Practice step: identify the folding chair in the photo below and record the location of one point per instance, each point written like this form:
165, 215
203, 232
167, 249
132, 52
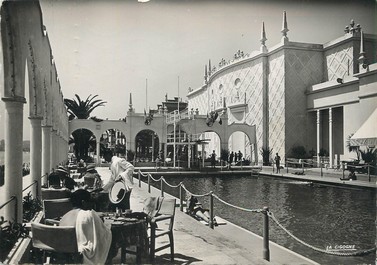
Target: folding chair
54, 209
50, 194
165, 212
57, 243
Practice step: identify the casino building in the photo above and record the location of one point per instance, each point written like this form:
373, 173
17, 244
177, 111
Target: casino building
296, 94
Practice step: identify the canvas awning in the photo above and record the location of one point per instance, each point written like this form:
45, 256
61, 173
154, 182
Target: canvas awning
366, 135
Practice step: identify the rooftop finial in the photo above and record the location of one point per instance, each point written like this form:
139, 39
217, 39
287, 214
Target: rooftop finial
352, 28
130, 104
205, 74
263, 39
362, 58
285, 29
209, 67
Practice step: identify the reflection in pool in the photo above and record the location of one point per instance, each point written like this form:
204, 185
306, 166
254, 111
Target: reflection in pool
323, 216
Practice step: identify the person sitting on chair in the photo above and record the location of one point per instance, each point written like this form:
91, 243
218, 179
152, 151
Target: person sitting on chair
91, 172
93, 237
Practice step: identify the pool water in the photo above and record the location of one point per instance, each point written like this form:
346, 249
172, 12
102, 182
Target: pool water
320, 215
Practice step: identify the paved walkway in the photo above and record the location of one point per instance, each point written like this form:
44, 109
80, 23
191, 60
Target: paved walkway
196, 243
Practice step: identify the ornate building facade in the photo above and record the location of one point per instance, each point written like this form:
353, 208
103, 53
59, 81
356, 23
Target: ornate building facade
296, 94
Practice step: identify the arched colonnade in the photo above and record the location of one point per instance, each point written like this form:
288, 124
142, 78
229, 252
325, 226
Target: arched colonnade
27, 59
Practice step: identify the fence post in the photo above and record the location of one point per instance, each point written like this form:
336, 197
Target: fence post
139, 176
16, 209
342, 170
211, 214
368, 172
180, 197
266, 247
321, 170
36, 189
162, 186
286, 164
149, 183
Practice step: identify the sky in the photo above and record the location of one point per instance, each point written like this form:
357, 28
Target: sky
114, 48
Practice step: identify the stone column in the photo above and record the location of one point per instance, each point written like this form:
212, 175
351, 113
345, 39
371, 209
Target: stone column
46, 143
52, 149
36, 154
331, 151
153, 147
13, 121
98, 152
318, 135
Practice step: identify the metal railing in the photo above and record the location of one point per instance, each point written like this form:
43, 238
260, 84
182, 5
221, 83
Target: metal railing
14, 197
306, 165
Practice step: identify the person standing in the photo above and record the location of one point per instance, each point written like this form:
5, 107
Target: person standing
240, 156
277, 163
213, 159
231, 157
121, 170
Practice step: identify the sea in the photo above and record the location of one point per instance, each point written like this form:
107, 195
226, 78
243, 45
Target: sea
25, 157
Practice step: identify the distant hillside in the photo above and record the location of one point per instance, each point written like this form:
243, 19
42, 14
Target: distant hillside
25, 145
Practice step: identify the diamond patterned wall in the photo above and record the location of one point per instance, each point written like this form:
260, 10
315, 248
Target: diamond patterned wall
303, 69
276, 103
339, 61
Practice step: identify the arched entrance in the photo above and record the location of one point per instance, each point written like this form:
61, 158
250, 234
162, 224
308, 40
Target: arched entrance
82, 142
147, 146
112, 142
239, 143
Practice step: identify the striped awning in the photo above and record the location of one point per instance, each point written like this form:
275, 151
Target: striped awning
366, 135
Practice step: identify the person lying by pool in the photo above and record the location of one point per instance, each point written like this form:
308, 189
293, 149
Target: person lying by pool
351, 175
195, 209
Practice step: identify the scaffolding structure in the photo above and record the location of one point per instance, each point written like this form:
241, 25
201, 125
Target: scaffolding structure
182, 138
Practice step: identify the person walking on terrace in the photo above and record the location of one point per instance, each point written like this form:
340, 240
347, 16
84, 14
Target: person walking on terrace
277, 163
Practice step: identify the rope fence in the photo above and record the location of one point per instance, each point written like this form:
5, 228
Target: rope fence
265, 211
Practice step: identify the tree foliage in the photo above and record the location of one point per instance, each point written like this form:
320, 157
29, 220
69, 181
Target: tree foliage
80, 109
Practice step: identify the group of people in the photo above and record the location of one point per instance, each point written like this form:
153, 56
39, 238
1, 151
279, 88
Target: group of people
235, 156
88, 224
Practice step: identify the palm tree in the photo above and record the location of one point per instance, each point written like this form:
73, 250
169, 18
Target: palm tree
352, 148
81, 109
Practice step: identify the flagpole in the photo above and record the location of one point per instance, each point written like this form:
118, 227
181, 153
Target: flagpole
146, 94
